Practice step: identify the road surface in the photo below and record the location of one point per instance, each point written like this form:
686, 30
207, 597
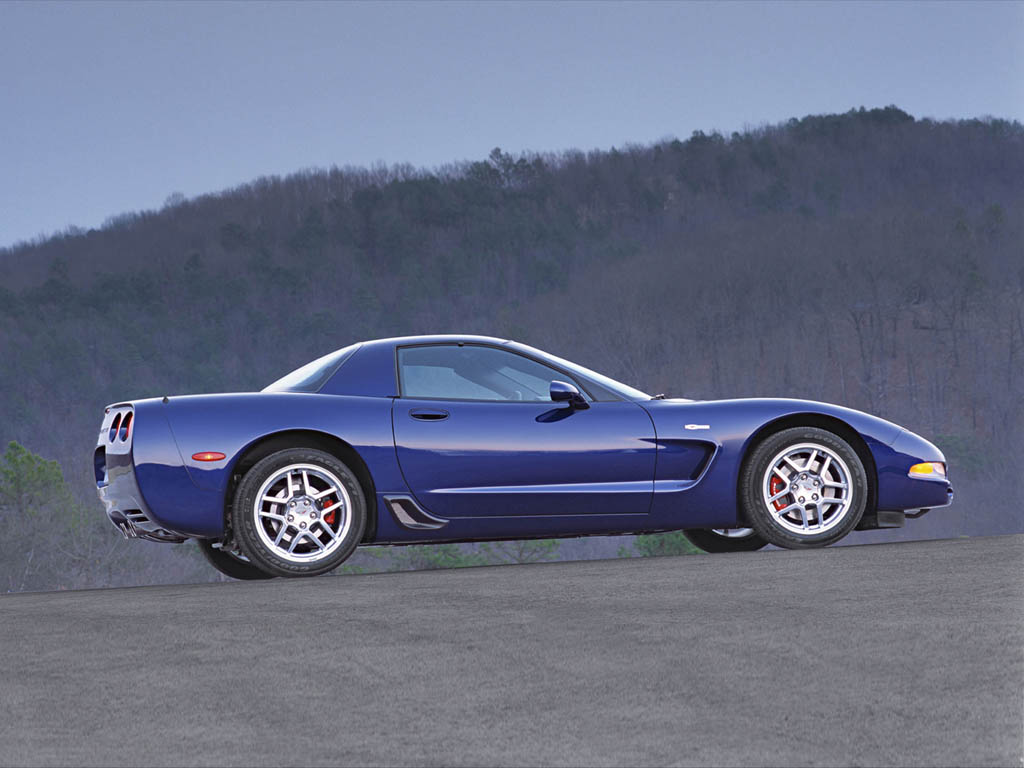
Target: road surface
894, 654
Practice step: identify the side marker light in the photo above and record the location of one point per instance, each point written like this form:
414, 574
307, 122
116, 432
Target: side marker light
208, 456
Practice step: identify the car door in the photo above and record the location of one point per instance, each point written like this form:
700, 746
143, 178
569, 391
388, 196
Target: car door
477, 435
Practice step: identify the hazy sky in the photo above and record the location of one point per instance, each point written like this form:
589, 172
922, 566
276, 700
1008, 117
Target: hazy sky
111, 107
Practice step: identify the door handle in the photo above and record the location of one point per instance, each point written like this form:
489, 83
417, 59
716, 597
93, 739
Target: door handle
428, 414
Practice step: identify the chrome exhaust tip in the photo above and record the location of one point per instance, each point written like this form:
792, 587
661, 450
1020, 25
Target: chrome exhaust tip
124, 525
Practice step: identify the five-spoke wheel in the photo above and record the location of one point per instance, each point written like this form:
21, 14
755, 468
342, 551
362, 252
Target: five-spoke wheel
806, 488
803, 487
302, 512
298, 512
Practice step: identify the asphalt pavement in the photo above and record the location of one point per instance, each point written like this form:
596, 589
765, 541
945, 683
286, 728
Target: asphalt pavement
891, 654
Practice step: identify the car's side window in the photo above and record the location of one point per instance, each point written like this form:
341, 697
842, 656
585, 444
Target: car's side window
473, 372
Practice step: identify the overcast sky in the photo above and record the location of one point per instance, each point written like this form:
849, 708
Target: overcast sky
106, 108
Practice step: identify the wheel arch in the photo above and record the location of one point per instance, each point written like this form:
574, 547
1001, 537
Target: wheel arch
307, 438
821, 421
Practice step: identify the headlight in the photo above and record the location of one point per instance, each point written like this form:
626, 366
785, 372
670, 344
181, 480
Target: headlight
928, 469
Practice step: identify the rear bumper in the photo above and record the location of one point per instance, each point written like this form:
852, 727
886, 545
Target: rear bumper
117, 486
127, 512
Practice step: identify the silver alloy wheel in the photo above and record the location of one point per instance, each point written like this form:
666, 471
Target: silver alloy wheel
302, 513
733, 533
807, 489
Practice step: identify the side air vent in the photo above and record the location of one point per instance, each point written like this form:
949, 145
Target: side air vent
114, 426
408, 514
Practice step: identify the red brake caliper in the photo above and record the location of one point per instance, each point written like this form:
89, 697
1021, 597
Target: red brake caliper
324, 503
775, 486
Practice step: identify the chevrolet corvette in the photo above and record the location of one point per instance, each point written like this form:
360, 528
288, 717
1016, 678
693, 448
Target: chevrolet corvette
467, 438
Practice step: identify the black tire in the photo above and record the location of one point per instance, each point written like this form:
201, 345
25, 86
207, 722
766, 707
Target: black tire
229, 564
713, 542
244, 521
755, 471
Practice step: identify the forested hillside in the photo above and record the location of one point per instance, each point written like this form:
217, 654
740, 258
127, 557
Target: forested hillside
868, 258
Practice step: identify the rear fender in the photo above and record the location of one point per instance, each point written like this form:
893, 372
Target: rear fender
175, 502
233, 424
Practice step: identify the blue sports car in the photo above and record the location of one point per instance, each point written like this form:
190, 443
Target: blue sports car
469, 438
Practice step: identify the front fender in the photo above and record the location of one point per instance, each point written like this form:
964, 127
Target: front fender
733, 425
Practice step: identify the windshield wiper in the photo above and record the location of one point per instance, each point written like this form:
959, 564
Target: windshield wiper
659, 397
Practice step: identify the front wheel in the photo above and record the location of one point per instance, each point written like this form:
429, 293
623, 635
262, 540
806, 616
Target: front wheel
725, 539
803, 487
298, 512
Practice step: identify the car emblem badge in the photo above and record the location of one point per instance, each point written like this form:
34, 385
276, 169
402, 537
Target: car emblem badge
698, 426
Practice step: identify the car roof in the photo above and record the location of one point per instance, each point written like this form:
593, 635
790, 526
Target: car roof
440, 338
371, 370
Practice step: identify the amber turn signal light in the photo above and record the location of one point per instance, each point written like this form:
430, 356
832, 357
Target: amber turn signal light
929, 469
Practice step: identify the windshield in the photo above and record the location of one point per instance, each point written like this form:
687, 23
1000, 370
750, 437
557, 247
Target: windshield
312, 376
616, 387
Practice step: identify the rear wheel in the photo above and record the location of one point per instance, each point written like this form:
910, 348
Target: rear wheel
803, 487
233, 564
298, 512
725, 539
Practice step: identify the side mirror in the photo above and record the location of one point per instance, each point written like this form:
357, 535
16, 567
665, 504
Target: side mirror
564, 392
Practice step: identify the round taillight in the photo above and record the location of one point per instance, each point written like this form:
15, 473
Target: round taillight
114, 426
126, 426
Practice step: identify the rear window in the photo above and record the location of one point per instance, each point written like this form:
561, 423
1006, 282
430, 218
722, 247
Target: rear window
312, 376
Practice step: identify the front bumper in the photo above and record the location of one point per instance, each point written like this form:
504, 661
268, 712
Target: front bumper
897, 489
